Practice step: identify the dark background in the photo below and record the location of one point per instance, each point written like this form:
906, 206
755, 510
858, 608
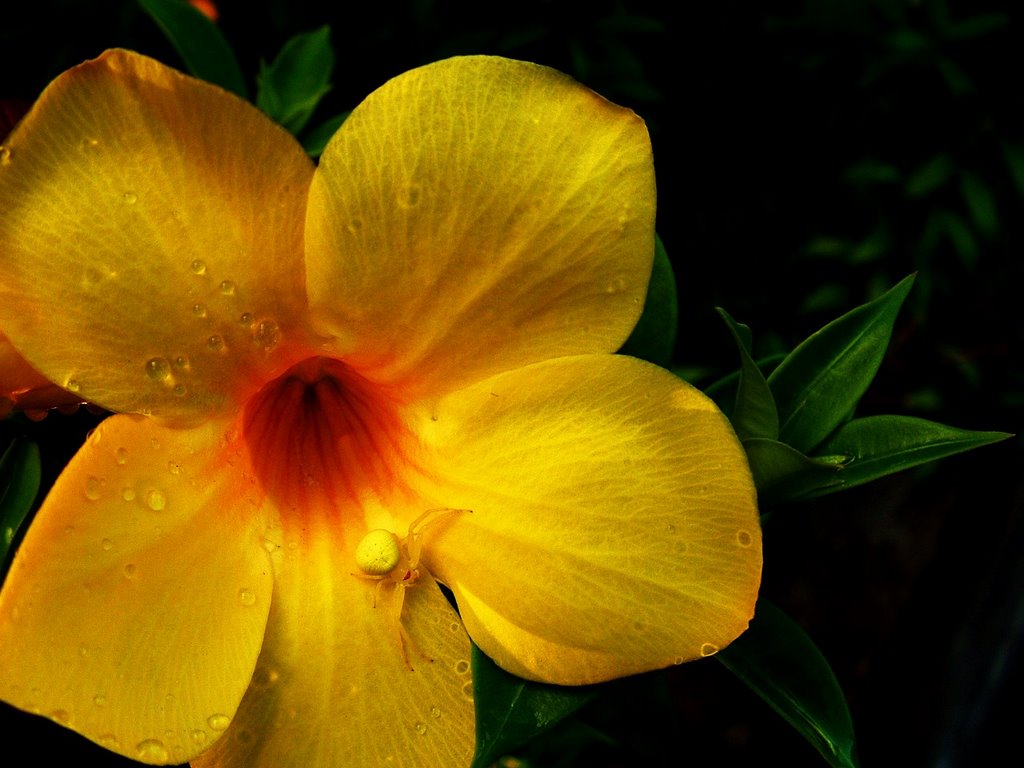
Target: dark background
809, 155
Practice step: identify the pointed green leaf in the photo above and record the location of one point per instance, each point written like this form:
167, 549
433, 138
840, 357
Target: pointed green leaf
291, 86
316, 138
754, 413
930, 176
783, 666
19, 483
880, 445
782, 473
818, 385
199, 42
654, 337
511, 711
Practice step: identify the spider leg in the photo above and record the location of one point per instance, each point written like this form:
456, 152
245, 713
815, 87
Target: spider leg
414, 538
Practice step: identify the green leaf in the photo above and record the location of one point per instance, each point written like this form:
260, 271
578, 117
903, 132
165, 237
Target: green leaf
654, 337
782, 665
754, 413
199, 42
511, 711
930, 176
315, 140
291, 86
20, 474
880, 445
818, 385
782, 473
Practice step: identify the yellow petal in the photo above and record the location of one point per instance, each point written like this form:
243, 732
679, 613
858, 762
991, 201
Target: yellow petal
476, 215
150, 238
331, 687
614, 526
22, 386
135, 608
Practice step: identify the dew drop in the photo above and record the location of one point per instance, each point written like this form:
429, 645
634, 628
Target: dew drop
355, 225
61, 716
246, 597
743, 538
421, 728
454, 626
152, 751
215, 342
128, 494
130, 198
265, 677
199, 736
180, 390
92, 487
121, 456
107, 545
174, 467
89, 144
435, 712
218, 722
467, 690
461, 666
410, 196
6, 153
267, 334
199, 310
158, 369
155, 500
129, 571
99, 700
72, 385
227, 288
198, 267
83, 651
708, 649
246, 318
181, 363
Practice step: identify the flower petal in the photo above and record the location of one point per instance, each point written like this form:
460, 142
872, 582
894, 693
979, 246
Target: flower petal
614, 526
22, 386
331, 687
476, 215
150, 238
135, 608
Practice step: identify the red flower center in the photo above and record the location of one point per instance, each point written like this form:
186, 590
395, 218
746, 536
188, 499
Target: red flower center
323, 437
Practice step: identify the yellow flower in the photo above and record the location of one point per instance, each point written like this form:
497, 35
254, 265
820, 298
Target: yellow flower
297, 357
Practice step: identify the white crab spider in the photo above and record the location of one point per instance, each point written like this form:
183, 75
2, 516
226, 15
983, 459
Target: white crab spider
383, 557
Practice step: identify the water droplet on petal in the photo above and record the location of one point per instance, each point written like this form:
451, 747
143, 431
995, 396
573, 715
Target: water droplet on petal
199, 310
129, 571
708, 649
61, 716
89, 144
421, 728
152, 751
174, 467
128, 494
246, 597
743, 538
267, 334
130, 198
461, 666
467, 690
218, 722
198, 267
180, 390
246, 318
107, 545
678, 660
158, 369
181, 363
215, 342
155, 500
435, 712
410, 196
6, 153
121, 456
227, 288
99, 700
199, 736
72, 385
92, 487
